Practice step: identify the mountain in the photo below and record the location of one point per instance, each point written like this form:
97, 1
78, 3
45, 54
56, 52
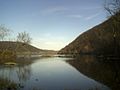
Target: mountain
17, 46
21, 48
101, 39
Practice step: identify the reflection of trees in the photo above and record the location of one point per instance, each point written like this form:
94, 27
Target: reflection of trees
23, 73
107, 72
6, 84
16, 75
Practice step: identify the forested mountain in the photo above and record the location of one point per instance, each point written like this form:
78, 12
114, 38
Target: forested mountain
101, 39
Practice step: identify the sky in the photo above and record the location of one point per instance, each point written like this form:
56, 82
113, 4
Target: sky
52, 24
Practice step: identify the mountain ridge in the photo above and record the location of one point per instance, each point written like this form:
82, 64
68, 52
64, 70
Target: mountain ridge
97, 40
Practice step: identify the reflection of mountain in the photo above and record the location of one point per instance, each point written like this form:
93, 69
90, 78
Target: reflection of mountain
105, 72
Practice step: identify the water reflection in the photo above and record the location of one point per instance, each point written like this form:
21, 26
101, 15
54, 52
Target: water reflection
49, 74
100, 69
16, 76
23, 73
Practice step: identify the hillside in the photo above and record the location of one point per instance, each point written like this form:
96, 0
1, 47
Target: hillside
21, 48
18, 47
98, 40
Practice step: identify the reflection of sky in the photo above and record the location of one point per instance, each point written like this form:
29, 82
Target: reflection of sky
53, 74
51, 23
15, 74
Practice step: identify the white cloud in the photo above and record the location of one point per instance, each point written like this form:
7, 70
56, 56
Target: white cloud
53, 10
91, 8
75, 16
92, 16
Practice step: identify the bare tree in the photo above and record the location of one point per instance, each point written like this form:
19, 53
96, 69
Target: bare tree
113, 9
24, 37
5, 53
4, 32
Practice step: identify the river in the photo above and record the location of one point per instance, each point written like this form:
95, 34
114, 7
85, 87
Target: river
52, 73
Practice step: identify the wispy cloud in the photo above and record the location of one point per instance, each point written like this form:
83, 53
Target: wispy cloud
53, 10
92, 16
78, 16
91, 8
75, 16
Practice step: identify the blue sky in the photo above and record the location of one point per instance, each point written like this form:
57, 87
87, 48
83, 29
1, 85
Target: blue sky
52, 24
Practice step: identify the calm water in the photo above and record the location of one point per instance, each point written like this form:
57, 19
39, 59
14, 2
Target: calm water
50, 74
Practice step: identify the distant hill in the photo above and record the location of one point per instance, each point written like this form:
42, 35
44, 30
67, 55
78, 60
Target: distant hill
22, 48
97, 40
17, 46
